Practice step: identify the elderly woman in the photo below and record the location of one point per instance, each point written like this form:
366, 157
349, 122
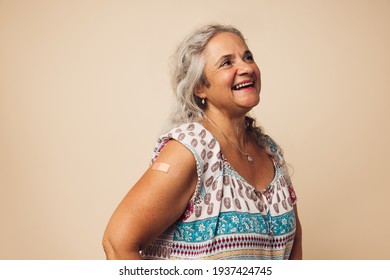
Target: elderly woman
217, 187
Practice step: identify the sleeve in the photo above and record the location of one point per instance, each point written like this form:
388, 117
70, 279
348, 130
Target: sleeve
293, 195
200, 143
277, 152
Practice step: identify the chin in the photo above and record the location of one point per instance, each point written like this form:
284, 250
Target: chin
249, 102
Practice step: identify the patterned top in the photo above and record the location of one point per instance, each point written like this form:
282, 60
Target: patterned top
226, 217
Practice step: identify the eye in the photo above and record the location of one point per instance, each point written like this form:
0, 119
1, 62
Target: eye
249, 57
226, 62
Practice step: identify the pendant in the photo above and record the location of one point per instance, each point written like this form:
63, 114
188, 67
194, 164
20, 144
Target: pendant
250, 159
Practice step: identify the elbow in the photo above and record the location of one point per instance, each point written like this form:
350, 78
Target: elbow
119, 250
108, 248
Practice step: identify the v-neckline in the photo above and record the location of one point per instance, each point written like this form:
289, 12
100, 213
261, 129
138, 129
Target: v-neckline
224, 159
253, 188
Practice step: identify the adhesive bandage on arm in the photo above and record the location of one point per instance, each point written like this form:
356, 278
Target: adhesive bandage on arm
165, 167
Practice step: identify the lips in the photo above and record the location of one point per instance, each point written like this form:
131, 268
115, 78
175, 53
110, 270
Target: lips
243, 85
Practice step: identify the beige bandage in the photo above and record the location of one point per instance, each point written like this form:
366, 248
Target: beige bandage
165, 167
161, 166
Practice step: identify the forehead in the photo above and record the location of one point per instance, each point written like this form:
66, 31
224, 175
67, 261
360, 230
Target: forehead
224, 43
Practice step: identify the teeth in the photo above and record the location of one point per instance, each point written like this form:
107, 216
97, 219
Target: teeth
236, 87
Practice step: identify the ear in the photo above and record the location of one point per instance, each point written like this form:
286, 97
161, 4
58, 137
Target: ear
200, 92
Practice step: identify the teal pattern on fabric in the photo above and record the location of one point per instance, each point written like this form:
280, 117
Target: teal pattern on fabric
234, 223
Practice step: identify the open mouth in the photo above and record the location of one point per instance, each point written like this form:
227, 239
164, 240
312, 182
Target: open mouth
243, 85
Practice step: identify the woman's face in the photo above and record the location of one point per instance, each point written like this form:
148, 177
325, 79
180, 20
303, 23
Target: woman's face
232, 74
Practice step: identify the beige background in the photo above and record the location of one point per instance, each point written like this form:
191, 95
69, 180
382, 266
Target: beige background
84, 92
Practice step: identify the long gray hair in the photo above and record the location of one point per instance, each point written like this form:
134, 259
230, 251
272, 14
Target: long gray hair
187, 76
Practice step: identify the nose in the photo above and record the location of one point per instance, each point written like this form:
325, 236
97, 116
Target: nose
245, 67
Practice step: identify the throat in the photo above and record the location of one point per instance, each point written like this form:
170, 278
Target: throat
243, 148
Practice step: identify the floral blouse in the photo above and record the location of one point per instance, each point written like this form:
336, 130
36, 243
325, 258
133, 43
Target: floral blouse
226, 217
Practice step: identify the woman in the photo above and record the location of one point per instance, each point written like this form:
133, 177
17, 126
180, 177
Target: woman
217, 188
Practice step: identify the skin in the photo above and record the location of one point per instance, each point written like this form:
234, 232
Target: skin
138, 219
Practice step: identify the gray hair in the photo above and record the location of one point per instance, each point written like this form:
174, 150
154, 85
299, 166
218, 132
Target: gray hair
187, 76
187, 73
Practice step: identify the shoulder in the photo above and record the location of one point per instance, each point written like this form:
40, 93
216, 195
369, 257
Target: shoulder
203, 146
188, 131
273, 148
277, 152
191, 135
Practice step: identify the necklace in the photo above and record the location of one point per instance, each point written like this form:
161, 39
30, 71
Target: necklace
263, 191
248, 156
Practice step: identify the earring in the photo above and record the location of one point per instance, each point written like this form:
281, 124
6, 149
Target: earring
203, 101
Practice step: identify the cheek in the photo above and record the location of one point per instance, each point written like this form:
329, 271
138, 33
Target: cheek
258, 75
227, 78
223, 80
257, 71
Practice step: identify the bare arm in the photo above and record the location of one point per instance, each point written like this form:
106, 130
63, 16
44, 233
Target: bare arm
155, 202
296, 252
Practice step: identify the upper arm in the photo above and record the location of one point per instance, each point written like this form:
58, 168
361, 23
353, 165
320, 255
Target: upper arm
155, 202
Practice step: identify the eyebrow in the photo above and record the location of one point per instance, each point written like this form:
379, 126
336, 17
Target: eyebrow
229, 56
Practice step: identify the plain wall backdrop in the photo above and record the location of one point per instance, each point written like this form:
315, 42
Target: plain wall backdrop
85, 91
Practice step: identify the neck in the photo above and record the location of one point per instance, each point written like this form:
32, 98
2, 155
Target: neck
232, 128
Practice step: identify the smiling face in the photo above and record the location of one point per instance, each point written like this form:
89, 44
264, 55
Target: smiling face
233, 78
